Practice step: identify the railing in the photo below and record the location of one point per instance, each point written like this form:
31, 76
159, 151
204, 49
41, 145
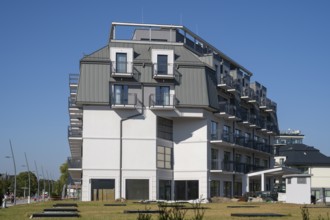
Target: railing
74, 162
74, 131
72, 102
225, 79
73, 79
124, 99
163, 70
121, 68
165, 100
234, 166
241, 140
229, 109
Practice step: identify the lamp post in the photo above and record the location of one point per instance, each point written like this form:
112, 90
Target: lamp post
35, 164
27, 165
48, 184
12, 156
43, 176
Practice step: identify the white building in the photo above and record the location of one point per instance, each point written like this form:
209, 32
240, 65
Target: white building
165, 115
298, 188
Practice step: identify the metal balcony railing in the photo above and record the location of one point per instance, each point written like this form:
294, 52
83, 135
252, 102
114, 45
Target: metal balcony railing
122, 69
229, 109
129, 99
241, 140
74, 163
234, 166
225, 79
74, 131
164, 100
163, 70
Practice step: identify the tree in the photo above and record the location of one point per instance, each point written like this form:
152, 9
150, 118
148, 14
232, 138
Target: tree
63, 178
23, 183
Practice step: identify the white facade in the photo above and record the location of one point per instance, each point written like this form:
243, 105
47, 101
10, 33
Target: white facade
298, 188
143, 132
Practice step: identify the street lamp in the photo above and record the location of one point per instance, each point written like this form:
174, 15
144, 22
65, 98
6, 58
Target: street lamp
27, 165
35, 164
43, 176
12, 156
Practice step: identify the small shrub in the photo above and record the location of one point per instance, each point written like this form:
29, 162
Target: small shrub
304, 213
144, 216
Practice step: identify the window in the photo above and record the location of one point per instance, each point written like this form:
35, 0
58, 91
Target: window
164, 128
214, 159
164, 157
215, 188
289, 180
265, 164
301, 180
120, 96
162, 64
226, 133
226, 161
163, 95
238, 165
237, 189
137, 189
186, 190
227, 188
214, 130
256, 161
165, 188
121, 63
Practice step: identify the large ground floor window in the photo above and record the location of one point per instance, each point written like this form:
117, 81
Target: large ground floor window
237, 189
186, 189
165, 189
227, 189
137, 189
102, 189
215, 188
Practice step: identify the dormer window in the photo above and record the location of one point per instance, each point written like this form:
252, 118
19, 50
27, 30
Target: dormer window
121, 62
163, 63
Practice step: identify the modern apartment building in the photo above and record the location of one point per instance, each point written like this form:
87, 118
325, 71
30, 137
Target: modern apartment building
162, 114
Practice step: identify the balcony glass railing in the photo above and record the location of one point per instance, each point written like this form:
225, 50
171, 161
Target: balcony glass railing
229, 109
241, 140
74, 131
164, 100
74, 163
225, 79
163, 70
122, 69
235, 166
129, 99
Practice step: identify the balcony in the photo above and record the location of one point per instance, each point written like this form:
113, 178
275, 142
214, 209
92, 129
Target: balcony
225, 81
163, 71
236, 87
124, 101
239, 141
122, 69
74, 163
228, 111
162, 102
267, 105
238, 167
248, 95
74, 132
75, 168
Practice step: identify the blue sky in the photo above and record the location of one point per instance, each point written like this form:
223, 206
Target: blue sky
284, 43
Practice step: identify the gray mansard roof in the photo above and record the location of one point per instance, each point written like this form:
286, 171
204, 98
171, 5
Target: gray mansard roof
195, 82
303, 155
